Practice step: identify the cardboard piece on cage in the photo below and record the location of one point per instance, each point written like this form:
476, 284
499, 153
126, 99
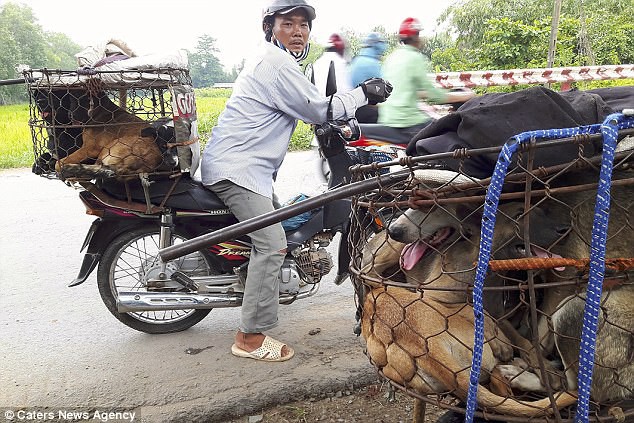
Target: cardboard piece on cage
492, 119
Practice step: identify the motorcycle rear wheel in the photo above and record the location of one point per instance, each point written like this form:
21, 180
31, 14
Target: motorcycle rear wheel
123, 267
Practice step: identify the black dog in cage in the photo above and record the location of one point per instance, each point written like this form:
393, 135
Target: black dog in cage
63, 138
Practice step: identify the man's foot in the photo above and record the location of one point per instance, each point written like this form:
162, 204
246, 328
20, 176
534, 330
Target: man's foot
260, 347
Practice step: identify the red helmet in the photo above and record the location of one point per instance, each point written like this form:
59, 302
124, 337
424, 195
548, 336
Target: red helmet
410, 27
336, 43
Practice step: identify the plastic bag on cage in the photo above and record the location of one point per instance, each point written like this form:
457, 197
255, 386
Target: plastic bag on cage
295, 222
186, 128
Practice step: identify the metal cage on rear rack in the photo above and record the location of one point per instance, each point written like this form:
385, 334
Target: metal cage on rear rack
94, 124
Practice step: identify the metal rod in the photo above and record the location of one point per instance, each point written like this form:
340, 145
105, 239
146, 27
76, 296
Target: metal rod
275, 216
16, 81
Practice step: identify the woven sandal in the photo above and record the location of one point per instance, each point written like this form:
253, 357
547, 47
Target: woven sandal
270, 350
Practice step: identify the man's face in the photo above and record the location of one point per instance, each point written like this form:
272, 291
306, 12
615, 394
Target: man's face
292, 30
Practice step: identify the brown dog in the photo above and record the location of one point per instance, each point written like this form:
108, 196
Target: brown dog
421, 340
118, 142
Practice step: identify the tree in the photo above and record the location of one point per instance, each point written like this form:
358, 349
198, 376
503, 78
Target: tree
205, 68
22, 41
235, 71
496, 34
61, 51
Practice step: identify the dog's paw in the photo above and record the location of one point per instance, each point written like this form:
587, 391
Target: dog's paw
521, 379
501, 350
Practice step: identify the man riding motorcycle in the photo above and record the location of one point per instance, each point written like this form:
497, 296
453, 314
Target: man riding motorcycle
248, 145
407, 68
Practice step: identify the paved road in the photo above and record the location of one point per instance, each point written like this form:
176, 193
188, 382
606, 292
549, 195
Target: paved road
62, 350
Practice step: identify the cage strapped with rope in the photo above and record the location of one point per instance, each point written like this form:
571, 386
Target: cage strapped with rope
501, 269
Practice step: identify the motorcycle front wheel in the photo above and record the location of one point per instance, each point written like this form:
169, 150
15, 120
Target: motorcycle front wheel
126, 265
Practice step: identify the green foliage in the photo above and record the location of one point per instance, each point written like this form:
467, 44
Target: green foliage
508, 44
208, 108
61, 52
213, 92
612, 39
453, 59
204, 66
300, 140
23, 42
495, 34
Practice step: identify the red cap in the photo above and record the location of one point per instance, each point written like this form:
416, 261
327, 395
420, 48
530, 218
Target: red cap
409, 28
337, 43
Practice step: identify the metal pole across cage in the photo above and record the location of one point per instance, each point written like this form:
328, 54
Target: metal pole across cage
276, 216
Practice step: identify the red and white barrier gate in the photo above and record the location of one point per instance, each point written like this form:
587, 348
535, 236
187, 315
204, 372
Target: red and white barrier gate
565, 76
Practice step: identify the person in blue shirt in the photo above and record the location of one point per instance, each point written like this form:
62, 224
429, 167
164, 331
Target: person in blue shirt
367, 64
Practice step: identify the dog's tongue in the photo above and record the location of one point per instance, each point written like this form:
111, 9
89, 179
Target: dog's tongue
540, 252
412, 253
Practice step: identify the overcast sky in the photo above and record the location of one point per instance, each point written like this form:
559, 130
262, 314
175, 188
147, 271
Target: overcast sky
150, 26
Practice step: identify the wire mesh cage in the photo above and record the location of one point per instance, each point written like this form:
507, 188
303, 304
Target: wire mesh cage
111, 124
375, 154
415, 281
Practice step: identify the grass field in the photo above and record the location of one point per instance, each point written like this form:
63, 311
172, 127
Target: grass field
16, 147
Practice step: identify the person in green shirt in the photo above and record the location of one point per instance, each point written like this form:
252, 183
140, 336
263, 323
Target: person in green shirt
407, 70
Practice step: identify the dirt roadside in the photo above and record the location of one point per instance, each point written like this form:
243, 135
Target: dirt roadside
371, 404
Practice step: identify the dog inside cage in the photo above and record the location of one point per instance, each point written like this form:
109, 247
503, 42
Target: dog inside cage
84, 128
415, 280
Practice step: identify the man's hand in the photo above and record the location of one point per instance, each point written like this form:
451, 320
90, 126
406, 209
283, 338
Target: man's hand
376, 90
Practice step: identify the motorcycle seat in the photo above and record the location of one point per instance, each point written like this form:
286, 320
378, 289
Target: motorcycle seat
384, 133
188, 194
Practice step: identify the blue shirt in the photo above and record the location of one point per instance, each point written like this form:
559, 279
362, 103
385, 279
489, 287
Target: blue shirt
249, 143
365, 65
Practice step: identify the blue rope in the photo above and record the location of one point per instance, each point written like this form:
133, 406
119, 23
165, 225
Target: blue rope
609, 130
486, 237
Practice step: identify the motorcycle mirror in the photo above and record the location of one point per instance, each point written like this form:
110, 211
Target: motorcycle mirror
331, 82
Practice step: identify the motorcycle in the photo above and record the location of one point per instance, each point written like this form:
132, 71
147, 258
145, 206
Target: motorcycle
155, 295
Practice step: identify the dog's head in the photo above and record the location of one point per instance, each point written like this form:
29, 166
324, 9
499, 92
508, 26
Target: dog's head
440, 227
510, 235
53, 105
162, 131
425, 231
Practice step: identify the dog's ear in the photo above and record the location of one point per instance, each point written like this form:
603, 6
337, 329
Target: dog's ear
149, 132
471, 217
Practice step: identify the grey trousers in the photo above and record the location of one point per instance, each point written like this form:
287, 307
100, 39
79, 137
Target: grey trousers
261, 294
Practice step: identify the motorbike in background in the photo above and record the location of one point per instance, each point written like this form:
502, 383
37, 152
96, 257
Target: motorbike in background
379, 143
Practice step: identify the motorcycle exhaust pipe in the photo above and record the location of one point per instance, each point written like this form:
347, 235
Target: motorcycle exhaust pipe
136, 302
133, 302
